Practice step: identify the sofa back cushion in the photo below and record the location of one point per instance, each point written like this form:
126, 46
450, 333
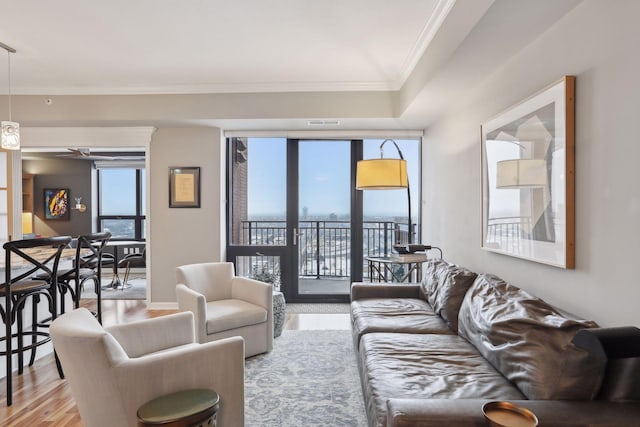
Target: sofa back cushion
444, 286
529, 341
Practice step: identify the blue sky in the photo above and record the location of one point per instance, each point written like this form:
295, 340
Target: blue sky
119, 192
324, 178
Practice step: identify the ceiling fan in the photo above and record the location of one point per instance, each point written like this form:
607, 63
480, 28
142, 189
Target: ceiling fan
85, 154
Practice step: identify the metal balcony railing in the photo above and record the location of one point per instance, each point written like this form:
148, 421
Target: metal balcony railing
324, 247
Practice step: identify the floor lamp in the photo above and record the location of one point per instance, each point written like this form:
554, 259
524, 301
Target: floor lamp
385, 174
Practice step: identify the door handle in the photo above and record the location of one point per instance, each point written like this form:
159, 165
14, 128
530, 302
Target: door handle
295, 236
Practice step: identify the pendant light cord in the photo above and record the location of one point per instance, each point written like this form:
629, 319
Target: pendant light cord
9, 80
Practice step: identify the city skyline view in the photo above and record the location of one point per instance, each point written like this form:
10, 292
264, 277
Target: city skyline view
324, 179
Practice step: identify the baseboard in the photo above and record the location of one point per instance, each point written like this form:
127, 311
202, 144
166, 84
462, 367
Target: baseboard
162, 306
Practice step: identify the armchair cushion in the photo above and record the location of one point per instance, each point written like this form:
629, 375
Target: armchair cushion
232, 314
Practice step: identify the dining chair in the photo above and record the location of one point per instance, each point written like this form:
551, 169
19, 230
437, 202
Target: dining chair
130, 261
24, 261
87, 265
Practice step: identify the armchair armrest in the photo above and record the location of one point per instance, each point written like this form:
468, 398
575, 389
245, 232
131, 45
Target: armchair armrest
217, 365
190, 300
550, 413
373, 290
253, 291
151, 335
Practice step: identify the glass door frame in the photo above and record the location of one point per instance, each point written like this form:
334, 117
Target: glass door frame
288, 253
291, 275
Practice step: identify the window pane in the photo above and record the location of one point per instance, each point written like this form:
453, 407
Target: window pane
259, 191
117, 191
119, 228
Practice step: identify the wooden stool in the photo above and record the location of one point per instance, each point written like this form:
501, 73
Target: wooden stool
186, 408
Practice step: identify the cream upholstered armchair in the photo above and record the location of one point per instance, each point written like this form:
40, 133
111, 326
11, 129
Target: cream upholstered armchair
113, 371
225, 305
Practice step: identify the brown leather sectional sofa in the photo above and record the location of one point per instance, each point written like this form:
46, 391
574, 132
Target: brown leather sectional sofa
431, 354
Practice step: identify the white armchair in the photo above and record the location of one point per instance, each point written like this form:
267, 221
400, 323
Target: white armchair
225, 305
113, 371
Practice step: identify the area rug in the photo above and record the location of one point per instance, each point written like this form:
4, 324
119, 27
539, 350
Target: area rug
137, 291
309, 379
317, 308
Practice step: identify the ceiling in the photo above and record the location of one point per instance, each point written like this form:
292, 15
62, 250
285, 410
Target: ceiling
205, 46
382, 64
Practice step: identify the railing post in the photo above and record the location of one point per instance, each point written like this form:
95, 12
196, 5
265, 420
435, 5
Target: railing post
386, 235
317, 249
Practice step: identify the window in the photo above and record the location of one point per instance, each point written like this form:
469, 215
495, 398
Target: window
121, 202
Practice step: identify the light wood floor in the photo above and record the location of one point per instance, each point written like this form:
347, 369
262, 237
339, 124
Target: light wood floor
41, 398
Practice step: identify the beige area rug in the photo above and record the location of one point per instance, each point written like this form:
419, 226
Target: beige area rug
310, 379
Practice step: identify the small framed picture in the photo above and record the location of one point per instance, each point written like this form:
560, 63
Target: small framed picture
184, 187
56, 203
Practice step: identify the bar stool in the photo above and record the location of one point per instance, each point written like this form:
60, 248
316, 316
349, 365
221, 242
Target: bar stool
25, 257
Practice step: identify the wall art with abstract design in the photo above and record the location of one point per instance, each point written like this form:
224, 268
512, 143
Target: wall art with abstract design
56, 203
528, 178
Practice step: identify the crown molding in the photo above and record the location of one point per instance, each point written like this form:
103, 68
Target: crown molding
441, 10
42, 137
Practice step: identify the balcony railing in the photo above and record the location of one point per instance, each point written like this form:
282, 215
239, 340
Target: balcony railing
324, 247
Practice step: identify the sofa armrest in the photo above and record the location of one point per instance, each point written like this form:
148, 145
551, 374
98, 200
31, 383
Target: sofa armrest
550, 413
384, 290
217, 365
150, 335
193, 301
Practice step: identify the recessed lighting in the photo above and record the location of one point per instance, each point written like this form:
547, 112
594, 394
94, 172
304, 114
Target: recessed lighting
323, 122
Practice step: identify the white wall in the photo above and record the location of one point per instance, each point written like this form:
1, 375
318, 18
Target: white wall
597, 42
183, 235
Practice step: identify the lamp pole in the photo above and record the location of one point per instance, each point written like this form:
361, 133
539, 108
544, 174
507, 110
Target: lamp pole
409, 230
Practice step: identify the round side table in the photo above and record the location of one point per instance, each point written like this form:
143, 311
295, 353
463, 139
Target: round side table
186, 408
279, 306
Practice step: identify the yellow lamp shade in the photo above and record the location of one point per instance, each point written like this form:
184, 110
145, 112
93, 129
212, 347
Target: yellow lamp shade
521, 173
382, 174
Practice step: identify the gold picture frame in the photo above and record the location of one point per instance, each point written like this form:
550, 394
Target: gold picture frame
528, 178
184, 187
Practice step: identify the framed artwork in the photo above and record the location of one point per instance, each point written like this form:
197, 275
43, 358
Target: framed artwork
528, 178
184, 187
56, 203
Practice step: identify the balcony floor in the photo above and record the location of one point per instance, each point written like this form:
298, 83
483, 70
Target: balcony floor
312, 286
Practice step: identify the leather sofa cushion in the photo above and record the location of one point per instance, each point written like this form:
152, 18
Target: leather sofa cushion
232, 314
529, 341
408, 315
444, 286
426, 366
